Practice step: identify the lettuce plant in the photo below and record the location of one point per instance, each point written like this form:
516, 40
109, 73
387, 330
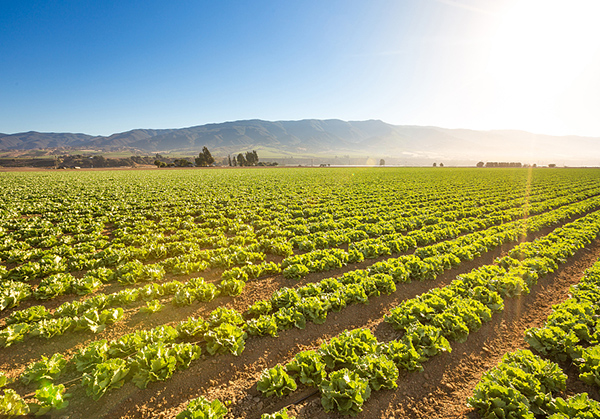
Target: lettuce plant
201, 408
344, 391
276, 381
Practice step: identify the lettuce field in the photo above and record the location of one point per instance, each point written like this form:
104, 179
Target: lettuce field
301, 293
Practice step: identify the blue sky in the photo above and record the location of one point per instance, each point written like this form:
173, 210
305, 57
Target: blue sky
102, 67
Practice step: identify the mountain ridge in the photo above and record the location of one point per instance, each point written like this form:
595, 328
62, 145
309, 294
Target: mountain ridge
329, 137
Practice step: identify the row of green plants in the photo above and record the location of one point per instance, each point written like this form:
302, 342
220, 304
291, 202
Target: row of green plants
572, 331
293, 307
447, 254
201, 408
143, 204
101, 308
298, 266
352, 288
128, 234
524, 385
451, 222
142, 357
127, 273
428, 322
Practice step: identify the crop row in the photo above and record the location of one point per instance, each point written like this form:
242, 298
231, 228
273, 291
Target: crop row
427, 324
223, 331
434, 260
525, 389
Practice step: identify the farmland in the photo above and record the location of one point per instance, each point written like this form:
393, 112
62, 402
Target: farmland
139, 291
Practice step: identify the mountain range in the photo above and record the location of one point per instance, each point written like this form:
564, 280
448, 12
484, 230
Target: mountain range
327, 138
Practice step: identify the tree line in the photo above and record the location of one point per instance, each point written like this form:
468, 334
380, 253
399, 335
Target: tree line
205, 159
250, 159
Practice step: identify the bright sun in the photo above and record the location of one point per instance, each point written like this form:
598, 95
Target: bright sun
542, 49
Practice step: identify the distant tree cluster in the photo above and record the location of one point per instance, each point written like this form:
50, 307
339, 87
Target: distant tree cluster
182, 163
499, 164
79, 160
249, 159
204, 158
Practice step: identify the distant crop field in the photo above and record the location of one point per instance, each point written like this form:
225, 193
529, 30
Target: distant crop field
299, 292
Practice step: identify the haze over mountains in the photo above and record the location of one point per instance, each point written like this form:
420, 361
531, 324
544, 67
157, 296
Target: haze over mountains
329, 138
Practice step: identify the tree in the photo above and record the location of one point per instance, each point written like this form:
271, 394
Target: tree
204, 158
480, 164
382, 162
441, 164
182, 163
229, 158
434, 164
241, 160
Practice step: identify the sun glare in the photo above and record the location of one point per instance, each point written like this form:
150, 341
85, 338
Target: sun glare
542, 48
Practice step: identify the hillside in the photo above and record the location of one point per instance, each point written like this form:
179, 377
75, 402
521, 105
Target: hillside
329, 138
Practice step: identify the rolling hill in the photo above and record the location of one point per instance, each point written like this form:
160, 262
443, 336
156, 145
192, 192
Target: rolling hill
328, 138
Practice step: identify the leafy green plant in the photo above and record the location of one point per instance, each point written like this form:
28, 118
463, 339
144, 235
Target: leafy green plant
289, 317
232, 287
192, 327
427, 340
579, 406
520, 386
158, 362
53, 327
553, 342
344, 391
296, 271
96, 321
309, 367
104, 376
86, 358
276, 381
29, 315
85, 285
403, 354
314, 309
264, 325
225, 315
153, 306
12, 293
49, 397
53, 286
14, 333
12, 404
379, 370
282, 414
130, 343
589, 365
346, 349
201, 408
225, 338
260, 308
47, 369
